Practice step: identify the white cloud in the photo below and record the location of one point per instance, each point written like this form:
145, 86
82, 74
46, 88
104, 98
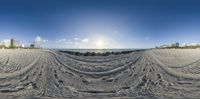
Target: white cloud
61, 40
76, 39
95, 42
44, 41
39, 41
85, 40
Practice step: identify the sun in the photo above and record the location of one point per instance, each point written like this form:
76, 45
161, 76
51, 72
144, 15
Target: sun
99, 44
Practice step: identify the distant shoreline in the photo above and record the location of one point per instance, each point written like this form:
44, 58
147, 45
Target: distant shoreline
100, 52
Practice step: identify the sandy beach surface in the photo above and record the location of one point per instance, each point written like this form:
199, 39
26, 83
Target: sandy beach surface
155, 73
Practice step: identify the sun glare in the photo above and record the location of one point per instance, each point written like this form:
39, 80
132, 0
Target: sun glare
99, 44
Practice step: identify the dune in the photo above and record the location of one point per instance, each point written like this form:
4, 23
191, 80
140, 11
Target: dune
153, 73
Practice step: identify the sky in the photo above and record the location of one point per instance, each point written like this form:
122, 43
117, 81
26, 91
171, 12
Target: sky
100, 23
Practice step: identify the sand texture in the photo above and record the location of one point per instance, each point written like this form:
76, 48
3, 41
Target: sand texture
156, 73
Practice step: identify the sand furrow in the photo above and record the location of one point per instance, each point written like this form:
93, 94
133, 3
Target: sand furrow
52, 74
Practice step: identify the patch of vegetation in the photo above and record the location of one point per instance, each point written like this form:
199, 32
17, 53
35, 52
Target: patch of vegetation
96, 54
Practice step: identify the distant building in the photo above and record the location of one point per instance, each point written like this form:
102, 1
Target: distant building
165, 46
178, 45
175, 44
10, 43
183, 45
13, 43
32, 46
192, 44
37, 44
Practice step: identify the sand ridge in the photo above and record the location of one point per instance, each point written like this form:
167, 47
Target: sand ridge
157, 73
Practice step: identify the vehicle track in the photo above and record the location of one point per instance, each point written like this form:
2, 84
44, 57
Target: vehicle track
49, 75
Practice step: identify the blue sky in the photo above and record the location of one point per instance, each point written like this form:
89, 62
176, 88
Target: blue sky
100, 23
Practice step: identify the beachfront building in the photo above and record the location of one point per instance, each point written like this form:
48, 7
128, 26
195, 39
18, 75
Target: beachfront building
36, 44
175, 44
192, 44
183, 45
10, 43
165, 46
13, 43
32, 46
178, 45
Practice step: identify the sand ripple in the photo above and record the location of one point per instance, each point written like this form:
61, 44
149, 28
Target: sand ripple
52, 74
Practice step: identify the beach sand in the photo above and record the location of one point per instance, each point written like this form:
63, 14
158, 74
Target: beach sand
153, 73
